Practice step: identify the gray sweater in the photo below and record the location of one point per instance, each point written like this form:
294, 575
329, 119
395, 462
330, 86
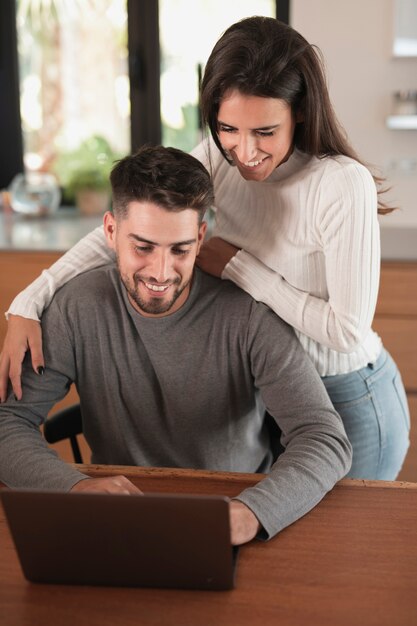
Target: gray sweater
186, 390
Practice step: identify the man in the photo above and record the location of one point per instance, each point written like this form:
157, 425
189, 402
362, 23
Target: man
174, 367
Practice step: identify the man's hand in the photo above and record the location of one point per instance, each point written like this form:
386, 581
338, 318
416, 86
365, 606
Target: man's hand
214, 255
244, 524
110, 484
22, 335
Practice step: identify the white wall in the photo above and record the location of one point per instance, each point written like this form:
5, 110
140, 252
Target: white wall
355, 37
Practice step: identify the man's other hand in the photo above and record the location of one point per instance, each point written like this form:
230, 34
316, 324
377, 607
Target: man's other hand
111, 484
244, 524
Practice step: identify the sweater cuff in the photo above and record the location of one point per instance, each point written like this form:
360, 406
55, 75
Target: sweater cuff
270, 523
32, 301
251, 275
28, 309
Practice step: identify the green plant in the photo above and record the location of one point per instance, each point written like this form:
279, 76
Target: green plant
87, 167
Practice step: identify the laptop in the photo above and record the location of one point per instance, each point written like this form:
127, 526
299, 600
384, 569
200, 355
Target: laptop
153, 540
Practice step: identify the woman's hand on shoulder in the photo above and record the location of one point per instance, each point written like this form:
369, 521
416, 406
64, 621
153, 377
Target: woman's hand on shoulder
214, 255
22, 334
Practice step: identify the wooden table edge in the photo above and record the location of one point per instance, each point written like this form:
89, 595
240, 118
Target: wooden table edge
167, 472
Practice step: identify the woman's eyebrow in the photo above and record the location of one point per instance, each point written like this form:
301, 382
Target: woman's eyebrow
224, 124
271, 127
267, 127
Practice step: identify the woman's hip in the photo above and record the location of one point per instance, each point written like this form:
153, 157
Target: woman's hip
373, 406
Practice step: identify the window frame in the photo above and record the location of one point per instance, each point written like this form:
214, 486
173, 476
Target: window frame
144, 77
11, 140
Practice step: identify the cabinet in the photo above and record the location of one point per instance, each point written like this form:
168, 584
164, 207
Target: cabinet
396, 323
17, 270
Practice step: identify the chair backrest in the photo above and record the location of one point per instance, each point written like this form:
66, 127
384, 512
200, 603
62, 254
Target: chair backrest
65, 424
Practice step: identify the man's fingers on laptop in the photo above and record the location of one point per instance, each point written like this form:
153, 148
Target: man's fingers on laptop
244, 524
110, 484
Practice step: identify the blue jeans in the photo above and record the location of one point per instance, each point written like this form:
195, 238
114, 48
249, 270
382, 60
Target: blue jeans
373, 406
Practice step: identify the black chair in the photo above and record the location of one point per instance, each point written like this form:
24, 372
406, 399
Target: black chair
65, 424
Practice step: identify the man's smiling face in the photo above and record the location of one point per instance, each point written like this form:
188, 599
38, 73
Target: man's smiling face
156, 251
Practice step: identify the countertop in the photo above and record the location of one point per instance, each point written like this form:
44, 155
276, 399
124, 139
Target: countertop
55, 233
61, 231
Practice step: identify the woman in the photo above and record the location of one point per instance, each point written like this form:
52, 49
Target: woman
296, 227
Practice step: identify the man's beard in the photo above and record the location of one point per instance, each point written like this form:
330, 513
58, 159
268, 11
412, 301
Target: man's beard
152, 306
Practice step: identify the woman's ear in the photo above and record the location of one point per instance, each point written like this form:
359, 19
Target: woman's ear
110, 228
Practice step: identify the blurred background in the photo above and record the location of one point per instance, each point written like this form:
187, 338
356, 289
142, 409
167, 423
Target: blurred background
83, 82
94, 79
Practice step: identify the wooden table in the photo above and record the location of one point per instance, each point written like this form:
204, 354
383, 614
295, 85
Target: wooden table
351, 561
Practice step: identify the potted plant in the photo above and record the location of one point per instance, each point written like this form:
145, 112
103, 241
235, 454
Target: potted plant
91, 191
84, 175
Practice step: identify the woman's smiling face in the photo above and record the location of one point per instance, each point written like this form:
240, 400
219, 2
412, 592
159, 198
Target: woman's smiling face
257, 132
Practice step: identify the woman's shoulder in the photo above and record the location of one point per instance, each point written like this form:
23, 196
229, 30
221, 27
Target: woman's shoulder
342, 167
209, 155
345, 187
303, 168
339, 176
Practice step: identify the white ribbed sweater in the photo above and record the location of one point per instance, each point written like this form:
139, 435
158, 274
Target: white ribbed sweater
310, 250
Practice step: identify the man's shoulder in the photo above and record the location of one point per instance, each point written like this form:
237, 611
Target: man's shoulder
222, 289
91, 288
91, 280
232, 302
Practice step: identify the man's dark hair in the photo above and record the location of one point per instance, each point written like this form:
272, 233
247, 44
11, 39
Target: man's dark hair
167, 177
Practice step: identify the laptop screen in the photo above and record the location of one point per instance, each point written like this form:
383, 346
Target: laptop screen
153, 540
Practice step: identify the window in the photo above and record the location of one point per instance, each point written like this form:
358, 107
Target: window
96, 79
74, 88
185, 48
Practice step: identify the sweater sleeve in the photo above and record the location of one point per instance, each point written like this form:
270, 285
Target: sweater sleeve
88, 253
317, 451
26, 461
209, 155
348, 232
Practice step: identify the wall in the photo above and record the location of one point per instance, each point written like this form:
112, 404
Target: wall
355, 37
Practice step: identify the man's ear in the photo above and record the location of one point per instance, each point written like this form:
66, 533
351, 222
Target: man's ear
110, 229
201, 234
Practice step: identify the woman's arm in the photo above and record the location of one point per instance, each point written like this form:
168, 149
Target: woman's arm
90, 252
22, 335
349, 233
340, 323
24, 332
